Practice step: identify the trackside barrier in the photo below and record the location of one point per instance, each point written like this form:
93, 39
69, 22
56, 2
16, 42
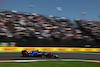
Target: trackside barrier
50, 49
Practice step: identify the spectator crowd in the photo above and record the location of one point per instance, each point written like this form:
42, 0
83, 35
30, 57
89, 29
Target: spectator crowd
92, 27
24, 25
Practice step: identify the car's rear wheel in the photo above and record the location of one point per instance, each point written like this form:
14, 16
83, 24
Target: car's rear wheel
24, 51
25, 54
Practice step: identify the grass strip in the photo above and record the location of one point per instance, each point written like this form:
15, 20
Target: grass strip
51, 64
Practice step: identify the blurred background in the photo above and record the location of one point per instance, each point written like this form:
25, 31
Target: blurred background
47, 23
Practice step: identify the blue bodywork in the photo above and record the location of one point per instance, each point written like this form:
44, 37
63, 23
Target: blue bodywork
34, 53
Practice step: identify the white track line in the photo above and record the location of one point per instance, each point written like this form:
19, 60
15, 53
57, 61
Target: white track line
98, 61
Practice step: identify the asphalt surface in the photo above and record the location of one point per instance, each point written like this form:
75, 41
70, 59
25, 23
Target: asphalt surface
18, 56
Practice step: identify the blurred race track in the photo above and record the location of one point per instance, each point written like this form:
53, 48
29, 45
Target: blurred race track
18, 56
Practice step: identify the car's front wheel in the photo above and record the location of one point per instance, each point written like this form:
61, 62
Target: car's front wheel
49, 55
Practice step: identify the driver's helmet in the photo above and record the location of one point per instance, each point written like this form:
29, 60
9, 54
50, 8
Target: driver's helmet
37, 50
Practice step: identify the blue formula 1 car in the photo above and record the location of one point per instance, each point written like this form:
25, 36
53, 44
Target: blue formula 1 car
36, 53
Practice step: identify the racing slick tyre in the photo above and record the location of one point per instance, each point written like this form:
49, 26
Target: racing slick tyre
49, 55
23, 51
25, 54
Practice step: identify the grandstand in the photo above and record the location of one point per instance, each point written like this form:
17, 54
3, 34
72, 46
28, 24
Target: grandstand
38, 30
92, 28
